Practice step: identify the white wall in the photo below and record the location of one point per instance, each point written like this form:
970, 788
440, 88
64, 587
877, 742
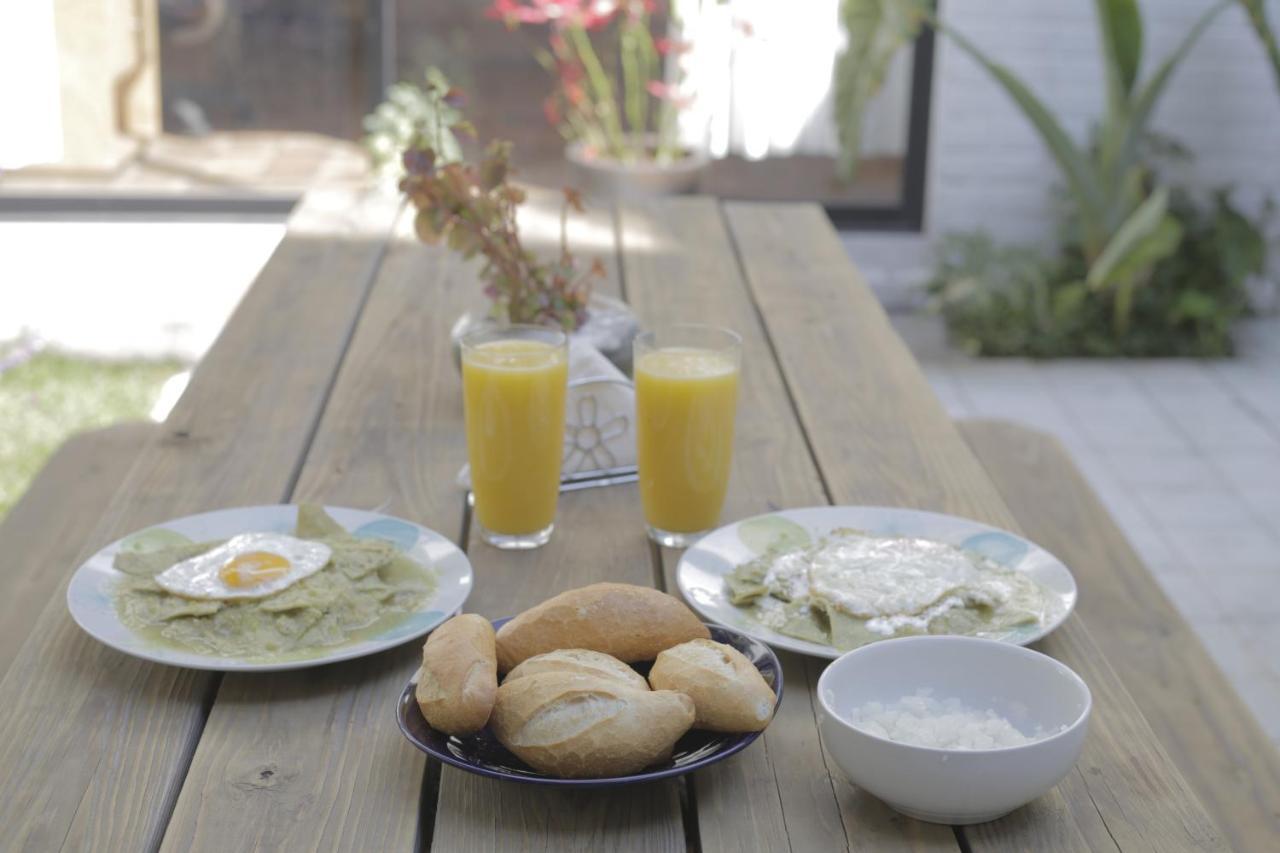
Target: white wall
987, 167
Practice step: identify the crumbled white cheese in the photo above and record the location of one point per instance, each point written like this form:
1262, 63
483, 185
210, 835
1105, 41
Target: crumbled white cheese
922, 720
771, 612
789, 574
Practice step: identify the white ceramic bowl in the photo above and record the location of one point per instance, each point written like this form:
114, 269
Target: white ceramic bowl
948, 785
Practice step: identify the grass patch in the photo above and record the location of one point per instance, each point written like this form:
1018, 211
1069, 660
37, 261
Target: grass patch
52, 395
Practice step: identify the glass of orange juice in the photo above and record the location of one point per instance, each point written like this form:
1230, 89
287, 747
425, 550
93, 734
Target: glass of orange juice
513, 393
686, 395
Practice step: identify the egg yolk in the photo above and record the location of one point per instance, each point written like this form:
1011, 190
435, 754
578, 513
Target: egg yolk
253, 568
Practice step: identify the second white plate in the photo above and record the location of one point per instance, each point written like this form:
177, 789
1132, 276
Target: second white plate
703, 566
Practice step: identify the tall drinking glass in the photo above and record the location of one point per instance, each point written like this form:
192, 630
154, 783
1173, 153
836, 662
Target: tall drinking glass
686, 395
513, 391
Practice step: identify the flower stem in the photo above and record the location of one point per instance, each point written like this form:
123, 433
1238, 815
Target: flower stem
634, 77
606, 104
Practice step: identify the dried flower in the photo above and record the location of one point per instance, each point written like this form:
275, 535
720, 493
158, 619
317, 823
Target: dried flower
472, 209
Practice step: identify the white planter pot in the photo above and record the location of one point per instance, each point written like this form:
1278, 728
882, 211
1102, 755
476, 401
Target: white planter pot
613, 179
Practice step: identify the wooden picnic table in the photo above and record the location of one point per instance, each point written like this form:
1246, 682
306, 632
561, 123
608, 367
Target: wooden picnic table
334, 382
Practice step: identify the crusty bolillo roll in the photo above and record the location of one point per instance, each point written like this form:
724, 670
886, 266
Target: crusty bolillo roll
581, 662
578, 726
632, 623
458, 680
728, 692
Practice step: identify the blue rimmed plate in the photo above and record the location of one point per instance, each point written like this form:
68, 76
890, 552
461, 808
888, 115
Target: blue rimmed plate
700, 574
482, 754
89, 597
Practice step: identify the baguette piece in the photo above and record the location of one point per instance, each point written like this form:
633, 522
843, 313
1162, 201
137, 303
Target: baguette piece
458, 680
632, 623
579, 727
581, 662
728, 692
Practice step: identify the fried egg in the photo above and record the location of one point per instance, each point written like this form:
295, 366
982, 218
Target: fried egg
251, 565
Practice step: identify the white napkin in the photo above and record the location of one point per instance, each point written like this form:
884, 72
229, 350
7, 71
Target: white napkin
599, 424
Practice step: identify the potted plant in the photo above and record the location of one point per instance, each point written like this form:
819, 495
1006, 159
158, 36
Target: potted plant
621, 129
472, 209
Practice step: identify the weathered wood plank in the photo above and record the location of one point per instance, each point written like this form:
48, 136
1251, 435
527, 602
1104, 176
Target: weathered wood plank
679, 265
599, 536
313, 759
94, 744
1216, 743
66, 497
881, 437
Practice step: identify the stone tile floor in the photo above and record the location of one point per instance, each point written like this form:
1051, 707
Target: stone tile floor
1185, 454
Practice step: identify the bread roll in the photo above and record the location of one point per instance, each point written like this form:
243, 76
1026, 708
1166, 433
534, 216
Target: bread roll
581, 662
632, 623
728, 692
458, 680
578, 726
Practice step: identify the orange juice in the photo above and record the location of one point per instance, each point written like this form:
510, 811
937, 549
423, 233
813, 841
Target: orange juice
514, 395
685, 402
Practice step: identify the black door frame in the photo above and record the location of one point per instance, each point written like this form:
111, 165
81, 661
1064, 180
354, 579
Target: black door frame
908, 213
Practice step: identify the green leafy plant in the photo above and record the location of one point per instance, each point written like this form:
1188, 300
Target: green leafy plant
1016, 301
411, 111
1122, 214
1261, 23
472, 209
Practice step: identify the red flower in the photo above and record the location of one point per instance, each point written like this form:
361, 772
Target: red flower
551, 109
658, 89
666, 92
590, 14
514, 13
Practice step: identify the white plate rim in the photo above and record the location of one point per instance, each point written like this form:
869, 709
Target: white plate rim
89, 601
701, 559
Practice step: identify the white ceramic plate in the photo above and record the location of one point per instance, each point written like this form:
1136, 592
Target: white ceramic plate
89, 595
701, 572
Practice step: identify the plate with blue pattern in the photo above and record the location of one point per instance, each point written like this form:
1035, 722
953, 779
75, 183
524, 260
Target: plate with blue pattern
702, 568
91, 594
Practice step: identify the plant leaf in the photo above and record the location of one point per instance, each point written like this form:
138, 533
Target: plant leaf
1257, 11
1080, 175
1144, 101
1163, 242
877, 30
1121, 26
1131, 237
1067, 301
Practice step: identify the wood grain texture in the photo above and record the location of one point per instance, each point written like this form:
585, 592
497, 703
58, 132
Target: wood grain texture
881, 437
67, 497
312, 759
94, 744
1216, 743
679, 266
599, 536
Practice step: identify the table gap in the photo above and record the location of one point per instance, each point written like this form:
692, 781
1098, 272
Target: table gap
210, 695
745, 281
